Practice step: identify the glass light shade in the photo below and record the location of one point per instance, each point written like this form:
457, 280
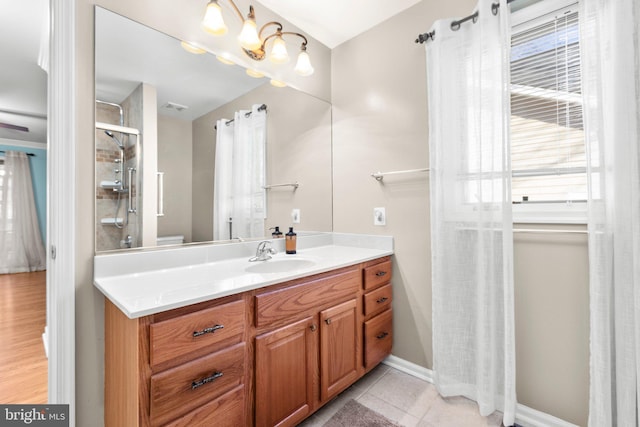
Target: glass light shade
277, 83
254, 73
212, 21
303, 66
279, 54
191, 48
248, 37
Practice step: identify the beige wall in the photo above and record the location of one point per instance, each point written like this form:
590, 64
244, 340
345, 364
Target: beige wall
379, 97
174, 159
298, 150
380, 123
182, 22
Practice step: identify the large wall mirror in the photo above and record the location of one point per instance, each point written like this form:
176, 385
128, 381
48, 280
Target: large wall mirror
159, 111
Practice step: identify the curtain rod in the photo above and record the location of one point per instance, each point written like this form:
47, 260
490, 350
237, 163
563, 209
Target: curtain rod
28, 154
263, 107
455, 25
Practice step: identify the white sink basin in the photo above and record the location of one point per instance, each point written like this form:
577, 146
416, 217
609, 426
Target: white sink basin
280, 265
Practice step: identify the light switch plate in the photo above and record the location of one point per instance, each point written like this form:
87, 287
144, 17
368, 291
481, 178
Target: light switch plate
295, 216
379, 216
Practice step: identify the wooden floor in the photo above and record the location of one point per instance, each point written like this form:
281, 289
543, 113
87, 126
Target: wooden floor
23, 364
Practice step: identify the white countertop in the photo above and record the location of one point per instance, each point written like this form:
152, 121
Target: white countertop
148, 282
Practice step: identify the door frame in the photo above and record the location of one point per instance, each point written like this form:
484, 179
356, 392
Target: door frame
61, 204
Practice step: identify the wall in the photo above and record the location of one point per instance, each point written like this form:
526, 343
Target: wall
380, 123
89, 316
298, 135
379, 113
38, 165
174, 159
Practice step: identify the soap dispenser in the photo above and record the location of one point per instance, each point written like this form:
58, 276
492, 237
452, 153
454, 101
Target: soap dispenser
277, 234
290, 243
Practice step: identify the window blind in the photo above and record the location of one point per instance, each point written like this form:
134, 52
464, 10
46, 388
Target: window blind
547, 135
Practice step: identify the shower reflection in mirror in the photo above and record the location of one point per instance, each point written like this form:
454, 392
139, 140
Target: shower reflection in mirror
117, 166
240, 203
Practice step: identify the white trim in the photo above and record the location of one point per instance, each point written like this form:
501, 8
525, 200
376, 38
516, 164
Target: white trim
45, 341
61, 200
525, 416
409, 368
26, 144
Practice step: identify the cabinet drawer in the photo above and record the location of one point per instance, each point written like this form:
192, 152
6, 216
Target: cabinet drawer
227, 410
183, 335
377, 275
377, 300
378, 338
296, 300
187, 387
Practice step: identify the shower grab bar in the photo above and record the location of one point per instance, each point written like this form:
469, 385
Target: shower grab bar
132, 209
295, 185
116, 128
380, 175
160, 208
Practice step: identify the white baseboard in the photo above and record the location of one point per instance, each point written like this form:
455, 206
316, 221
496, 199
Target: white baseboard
525, 416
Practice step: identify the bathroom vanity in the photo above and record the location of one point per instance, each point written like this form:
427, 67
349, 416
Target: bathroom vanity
233, 343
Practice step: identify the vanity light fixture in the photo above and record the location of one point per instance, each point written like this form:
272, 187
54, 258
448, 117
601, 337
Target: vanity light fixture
254, 42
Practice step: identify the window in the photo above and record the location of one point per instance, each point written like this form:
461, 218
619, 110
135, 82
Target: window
548, 160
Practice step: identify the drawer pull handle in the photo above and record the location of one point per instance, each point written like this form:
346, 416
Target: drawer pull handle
381, 273
381, 300
382, 335
313, 327
200, 383
328, 321
207, 331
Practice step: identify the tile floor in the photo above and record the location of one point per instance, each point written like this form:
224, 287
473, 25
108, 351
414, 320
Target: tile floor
407, 400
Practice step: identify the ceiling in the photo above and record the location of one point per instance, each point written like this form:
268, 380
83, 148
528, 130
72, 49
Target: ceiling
23, 88
23, 84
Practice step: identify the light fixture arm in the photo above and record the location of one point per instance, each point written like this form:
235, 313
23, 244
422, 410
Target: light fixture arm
280, 33
279, 30
251, 14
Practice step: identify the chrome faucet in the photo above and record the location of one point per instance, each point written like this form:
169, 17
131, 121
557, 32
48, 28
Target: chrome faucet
263, 252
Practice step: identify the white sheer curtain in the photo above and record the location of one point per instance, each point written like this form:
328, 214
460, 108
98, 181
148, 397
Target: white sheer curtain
240, 173
471, 219
610, 43
21, 248
222, 183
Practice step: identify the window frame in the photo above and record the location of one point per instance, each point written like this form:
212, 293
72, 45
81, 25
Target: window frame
546, 212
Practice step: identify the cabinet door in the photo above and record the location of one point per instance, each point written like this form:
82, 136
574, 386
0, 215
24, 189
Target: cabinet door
285, 360
338, 348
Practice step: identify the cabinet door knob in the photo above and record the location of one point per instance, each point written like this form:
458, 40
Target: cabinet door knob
381, 300
382, 335
313, 327
328, 321
381, 273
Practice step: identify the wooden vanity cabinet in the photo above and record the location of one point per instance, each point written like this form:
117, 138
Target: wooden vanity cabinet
179, 367
268, 357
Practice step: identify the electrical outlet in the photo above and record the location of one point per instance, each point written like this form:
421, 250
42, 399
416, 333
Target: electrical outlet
379, 216
295, 216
